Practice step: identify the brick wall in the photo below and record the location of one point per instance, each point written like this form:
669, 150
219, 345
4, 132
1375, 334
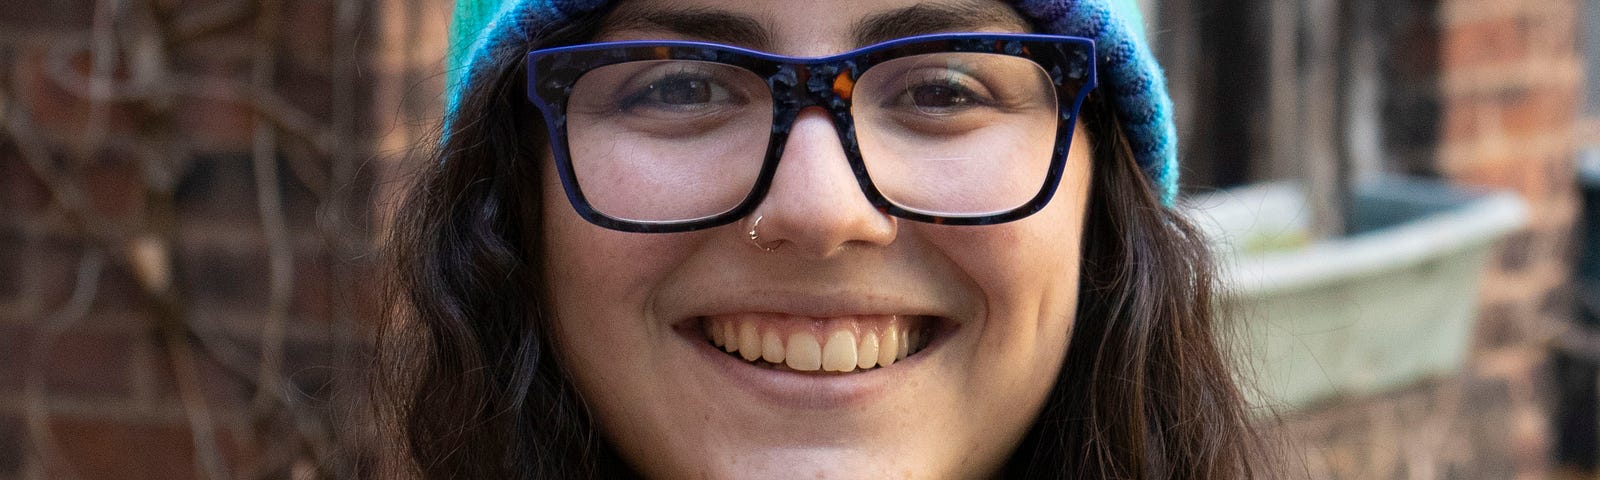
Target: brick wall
1504, 79
160, 316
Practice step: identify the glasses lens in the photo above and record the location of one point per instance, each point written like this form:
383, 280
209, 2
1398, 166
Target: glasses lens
956, 134
667, 140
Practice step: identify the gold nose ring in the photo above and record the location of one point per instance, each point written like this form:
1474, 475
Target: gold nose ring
755, 238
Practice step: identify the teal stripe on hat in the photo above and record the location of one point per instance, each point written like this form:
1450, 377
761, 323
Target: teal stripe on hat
1130, 11
479, 26
465, 27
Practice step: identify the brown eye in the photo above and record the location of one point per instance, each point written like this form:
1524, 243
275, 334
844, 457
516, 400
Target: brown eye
940, 96
683, 92
686, 91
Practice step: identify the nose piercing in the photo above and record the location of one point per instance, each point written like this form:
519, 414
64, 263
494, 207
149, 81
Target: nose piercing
755, 238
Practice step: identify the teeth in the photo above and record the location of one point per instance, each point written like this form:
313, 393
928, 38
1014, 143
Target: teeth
749, 342
867, 353
840, 354
730, 338
803, 353
905, 345
772, 348
714, 331
888, 347
842, 350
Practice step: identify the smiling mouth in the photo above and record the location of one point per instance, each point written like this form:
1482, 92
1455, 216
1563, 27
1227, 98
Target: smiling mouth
839, 345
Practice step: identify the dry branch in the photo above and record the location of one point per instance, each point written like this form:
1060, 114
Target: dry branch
35, 393
126, 64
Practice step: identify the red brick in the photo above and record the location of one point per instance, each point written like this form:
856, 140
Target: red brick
53, 109
226, 391
1500, 325
103, 449
16, 344
232, 278
90, 365
313, 295
1534, 112
1513, 113
307, 38
57, 14
1516, 252
371, 306
228, 388
225, 55
12, 279
217, 190
1527, 173
12, 453
116, 189
312, 97
21, 192
42, 269
119, 291
309, 368
1552, 30
216, 126
1495, 41
58, 111
1467, 118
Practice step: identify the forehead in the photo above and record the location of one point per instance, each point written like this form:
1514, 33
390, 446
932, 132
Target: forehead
804, 28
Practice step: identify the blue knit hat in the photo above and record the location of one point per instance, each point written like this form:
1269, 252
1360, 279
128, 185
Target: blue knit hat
1129, 76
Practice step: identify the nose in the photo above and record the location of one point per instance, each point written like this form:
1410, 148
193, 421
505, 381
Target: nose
815, 205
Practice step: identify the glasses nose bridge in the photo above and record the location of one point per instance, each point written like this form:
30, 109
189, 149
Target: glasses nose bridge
825, 84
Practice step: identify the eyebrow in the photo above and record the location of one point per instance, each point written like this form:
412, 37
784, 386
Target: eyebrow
924, 18
731, 28
703, 23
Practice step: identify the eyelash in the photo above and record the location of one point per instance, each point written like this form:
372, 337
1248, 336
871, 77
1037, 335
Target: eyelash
642, 95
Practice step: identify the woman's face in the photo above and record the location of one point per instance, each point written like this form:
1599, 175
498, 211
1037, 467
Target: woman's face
983, 313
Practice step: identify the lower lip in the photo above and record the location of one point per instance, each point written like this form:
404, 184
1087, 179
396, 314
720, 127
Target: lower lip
806, 390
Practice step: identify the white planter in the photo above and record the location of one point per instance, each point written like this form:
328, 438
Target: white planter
1384, 307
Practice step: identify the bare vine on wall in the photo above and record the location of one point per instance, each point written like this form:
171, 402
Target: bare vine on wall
125, 65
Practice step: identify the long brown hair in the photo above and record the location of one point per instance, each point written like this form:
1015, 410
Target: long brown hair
468, 386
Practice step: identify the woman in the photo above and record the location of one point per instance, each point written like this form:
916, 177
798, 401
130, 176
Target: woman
829, 240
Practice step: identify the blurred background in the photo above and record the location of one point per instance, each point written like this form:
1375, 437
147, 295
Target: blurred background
1405, 196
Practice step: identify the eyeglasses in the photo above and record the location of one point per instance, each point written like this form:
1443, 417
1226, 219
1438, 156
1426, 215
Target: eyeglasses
956, 129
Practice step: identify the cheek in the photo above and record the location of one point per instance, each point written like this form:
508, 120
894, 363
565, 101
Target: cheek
1026, 274
599, 286
1028, 270
587, 267
1028, 278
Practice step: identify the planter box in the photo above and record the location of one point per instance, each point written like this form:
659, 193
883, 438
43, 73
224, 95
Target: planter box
1392, 303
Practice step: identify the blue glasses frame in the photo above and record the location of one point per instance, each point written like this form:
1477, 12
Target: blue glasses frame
797, 83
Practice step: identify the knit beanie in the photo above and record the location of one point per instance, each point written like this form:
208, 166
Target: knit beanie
1129, 77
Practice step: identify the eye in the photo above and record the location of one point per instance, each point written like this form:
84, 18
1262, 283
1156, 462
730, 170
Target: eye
681, 91
940, 96
940, 92
684, 91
